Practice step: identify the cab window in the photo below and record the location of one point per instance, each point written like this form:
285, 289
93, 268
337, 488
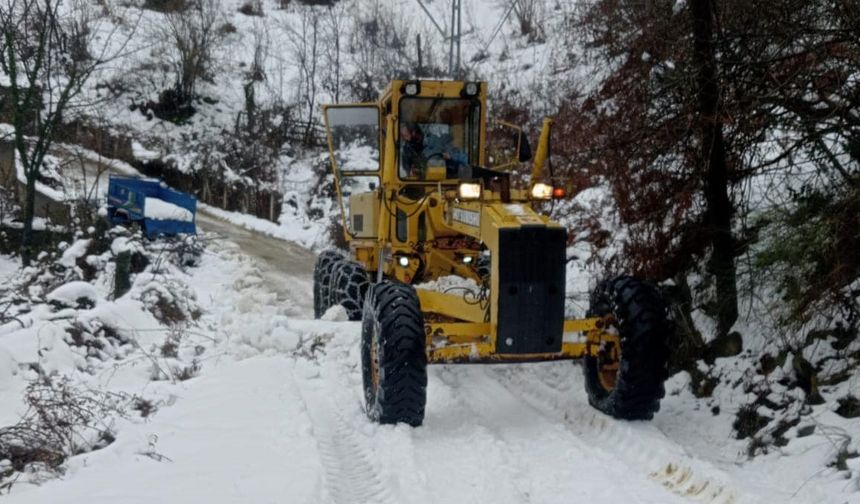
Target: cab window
354, 137
437, 137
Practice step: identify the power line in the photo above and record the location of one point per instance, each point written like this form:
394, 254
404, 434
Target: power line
455, 38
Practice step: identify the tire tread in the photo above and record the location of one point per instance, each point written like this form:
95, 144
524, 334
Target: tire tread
641, 319
402, 393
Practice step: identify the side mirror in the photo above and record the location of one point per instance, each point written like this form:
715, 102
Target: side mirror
525, 153
507, 146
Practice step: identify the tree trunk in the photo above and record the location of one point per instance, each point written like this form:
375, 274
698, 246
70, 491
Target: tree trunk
205, 194
29, 213
250, 108
716, 181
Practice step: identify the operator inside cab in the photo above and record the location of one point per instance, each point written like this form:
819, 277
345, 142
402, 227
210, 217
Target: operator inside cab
435, 134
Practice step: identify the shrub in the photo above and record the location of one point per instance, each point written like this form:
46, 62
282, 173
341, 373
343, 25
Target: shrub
166, 5
61, 420
252, 8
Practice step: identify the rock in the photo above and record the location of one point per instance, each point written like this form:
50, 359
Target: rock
748, 421
849, 407
807, 379
726, 346
806, 430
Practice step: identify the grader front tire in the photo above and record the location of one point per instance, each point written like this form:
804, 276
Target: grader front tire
627, 382
349, 287
393, 358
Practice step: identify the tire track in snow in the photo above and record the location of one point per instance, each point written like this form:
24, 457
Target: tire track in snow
350, 475
393, 452
674, 469
602, 465
451, 379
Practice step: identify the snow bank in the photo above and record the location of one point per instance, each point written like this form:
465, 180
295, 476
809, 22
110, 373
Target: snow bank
157, 209
69, 294
310, 234
73, 253
41, 188
142, 153
8, 268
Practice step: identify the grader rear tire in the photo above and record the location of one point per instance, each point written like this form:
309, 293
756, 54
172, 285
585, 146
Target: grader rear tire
629, 386
349, 287
326, 262
393, 358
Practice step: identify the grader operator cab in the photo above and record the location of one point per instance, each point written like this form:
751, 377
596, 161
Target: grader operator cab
418, 204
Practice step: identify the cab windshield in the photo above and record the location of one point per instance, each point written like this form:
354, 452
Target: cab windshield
438, 137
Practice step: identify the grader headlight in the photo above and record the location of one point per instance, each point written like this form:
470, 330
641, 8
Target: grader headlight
468, 190
542, 191
412, 88
471, 89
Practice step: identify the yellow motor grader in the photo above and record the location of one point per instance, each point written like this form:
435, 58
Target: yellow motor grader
420, 206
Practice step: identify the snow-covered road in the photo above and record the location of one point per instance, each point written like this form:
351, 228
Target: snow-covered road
274, 428
287, 267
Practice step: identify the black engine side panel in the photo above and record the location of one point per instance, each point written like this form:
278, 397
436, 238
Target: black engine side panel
531, 289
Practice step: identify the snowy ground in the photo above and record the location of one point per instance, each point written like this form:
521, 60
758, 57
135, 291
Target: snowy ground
276, 416
276, 412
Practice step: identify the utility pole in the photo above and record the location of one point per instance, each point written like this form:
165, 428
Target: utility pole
459, 35
418, 45
453, 35
455, 39
451, 39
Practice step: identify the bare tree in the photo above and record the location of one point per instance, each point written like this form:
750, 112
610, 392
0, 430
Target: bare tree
193, 34
305, 40
45, 56
256, 74
334, 25
380, 50
527, 13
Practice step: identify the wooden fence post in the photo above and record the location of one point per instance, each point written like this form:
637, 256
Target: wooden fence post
122, 277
